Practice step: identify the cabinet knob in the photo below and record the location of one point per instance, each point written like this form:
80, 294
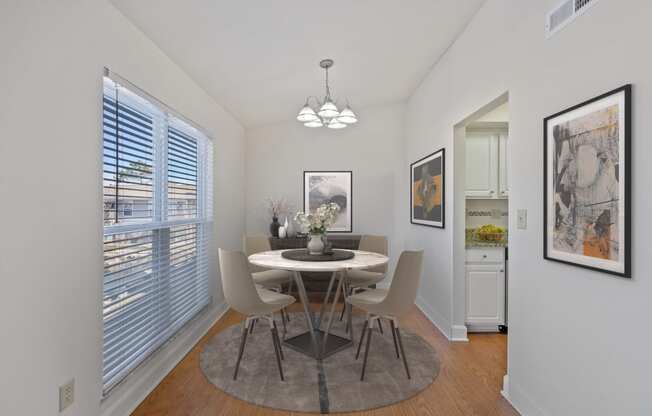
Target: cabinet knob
491, 192
484, 256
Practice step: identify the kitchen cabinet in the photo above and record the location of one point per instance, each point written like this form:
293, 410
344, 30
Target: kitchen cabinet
503, 185
486, 164
485, 288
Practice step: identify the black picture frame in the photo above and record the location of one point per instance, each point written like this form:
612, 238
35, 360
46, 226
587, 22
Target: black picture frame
306, 207
624, 158
431, 156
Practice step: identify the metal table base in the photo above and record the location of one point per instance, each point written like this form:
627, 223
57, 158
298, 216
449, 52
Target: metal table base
303, 343
315, 342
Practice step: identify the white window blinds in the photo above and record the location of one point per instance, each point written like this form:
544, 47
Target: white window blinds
157, 179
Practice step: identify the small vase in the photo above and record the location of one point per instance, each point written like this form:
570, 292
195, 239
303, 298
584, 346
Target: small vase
315, 244
290, 230
286, 225
282, 233
274, 226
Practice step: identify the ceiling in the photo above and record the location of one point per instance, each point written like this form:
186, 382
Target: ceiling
260, 59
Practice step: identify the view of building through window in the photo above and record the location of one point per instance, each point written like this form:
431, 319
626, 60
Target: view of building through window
157, 223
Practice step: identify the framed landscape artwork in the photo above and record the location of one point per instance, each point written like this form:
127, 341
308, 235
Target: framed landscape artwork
321, 187
427, 190
587, 184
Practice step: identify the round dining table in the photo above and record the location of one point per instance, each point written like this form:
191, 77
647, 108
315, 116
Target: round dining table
316, 342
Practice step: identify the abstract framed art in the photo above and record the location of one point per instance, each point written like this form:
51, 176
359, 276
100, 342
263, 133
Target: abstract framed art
321, 187
427, 190
587, 184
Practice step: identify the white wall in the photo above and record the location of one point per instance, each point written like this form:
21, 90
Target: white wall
277, 155
578, 343
50, 191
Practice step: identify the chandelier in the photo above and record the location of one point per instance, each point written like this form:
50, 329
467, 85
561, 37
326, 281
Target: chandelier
325, 112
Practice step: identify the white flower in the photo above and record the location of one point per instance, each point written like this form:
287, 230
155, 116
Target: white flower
317, 223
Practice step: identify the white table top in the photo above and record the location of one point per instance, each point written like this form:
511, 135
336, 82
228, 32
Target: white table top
361, 260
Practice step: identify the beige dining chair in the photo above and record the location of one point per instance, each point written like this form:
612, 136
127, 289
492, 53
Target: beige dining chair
255, 303
360, 279
268, 279
391, 304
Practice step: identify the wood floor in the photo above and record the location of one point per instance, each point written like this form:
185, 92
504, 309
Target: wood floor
469, 382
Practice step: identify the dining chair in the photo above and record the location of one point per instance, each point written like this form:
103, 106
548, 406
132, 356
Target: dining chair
268, 279
255, 303
391, 304
357, 280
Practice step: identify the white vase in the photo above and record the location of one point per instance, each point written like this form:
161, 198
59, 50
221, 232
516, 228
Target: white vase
282, 233
315, 244
290, 230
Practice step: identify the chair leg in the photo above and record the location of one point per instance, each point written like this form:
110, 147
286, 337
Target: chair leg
391, 322
287, 315
243, 341
276, 343
284, 317
345, 305
280, 350
366, 352
251, 326
364, 332
349, 322
380, 327
400, 344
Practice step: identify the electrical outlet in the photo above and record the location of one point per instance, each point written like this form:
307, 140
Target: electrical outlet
66, 395
521, 219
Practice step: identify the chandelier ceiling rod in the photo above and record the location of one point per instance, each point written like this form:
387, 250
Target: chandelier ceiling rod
326, 114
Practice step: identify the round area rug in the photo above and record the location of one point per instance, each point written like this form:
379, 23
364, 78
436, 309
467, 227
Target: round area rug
332, 385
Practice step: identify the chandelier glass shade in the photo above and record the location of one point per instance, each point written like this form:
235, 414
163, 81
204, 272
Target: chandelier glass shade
325, 112
307, 114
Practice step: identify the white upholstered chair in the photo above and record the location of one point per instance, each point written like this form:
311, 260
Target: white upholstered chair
365, 278
361, 279
242, 295
390, 304
269, 279
266, 278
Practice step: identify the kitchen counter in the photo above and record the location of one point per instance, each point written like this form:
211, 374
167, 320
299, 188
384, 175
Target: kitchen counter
485, 244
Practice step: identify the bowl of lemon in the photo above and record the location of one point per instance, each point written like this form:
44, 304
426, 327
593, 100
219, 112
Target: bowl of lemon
490, 232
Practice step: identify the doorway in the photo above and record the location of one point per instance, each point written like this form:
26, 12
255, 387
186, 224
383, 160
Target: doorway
481, 221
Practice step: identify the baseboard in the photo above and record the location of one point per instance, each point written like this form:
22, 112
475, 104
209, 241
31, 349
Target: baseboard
459, 333
482, 328
505, 391
433, 316
519, 400
135, 388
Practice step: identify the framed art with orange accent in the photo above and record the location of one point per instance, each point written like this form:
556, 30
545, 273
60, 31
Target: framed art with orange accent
587, 184
427, 190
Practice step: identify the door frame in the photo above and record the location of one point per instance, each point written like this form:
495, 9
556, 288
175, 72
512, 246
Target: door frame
458, 295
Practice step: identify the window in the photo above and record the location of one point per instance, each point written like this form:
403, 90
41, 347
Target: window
157, 179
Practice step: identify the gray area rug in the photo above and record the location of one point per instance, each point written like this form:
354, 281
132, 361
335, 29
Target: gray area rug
331, 385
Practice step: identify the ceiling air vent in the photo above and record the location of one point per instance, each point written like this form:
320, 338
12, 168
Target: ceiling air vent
565, 13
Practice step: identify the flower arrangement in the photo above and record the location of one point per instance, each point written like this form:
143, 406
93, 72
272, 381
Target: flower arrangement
277, 207
319, 222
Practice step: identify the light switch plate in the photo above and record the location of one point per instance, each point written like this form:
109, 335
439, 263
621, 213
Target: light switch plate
66, 395
521, 219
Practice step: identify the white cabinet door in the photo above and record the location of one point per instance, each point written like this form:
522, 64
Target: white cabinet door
485, 294
503, 184
481, 169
